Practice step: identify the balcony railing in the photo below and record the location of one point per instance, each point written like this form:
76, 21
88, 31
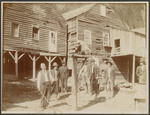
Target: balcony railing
115, 51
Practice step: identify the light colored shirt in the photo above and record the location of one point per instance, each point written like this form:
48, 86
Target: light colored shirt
92, 68
109, 69
45, 76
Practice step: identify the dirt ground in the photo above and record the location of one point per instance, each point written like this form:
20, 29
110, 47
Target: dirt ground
23, 97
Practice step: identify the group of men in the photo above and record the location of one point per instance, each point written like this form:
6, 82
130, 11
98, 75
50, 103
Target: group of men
92, 77
49, 82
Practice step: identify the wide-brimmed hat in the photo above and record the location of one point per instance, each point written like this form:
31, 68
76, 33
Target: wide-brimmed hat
109, 62
105, 59
55, 64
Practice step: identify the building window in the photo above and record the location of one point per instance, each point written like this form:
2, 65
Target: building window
117, 43
52, 41
35, 33
15, 30
53, 37
106, 41
87, 37
102, 10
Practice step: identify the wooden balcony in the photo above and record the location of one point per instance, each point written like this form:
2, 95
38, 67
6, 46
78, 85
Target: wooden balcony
115, 51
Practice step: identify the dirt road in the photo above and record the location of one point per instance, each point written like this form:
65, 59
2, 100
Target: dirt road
23, 97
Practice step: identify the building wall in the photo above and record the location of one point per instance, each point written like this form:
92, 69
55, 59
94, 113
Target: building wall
27, 15
130, 42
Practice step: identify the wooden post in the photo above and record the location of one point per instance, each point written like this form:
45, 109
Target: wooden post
133, 70
34, 67
74, 78
128, 67
16, 64
49, 63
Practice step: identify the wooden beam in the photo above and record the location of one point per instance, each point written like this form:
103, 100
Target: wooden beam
60, 59
133, 70
128, 67
4, 52
49, 63
21, 56
16, 64
30, 57
74, 86
53, 59
12, 55
37, 58
46, 58
34, 67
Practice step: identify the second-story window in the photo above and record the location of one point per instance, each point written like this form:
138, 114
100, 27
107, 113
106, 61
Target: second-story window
106, 41
102, 10
117, 43
35, 33
87, 36
15, 30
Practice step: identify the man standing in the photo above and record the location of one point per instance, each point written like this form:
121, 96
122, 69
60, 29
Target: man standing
110, 80
103, 68
63, 75
94, 78
43, 85
55, 80
84, 75
141, 72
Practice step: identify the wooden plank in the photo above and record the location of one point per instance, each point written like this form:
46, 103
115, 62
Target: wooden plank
16, 64
46, 58
38, 58
53, 59
34, 67
21, 56
74, 86
12, 55
133, 70
49, 63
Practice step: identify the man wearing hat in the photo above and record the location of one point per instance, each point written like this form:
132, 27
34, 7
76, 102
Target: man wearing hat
141, 72
55, 79
43, 85
63, 75
94, 78
110, 80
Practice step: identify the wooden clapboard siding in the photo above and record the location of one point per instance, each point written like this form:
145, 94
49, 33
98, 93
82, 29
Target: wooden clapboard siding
110, 19
28, 15
130, 42
96, 33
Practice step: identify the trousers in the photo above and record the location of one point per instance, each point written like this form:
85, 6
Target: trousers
45, 90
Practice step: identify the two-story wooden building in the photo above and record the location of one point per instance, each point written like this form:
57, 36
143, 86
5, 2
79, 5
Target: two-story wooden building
91, 25
127, 48
98, 26
32, 33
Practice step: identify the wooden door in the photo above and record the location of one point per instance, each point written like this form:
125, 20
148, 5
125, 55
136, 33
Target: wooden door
52, 41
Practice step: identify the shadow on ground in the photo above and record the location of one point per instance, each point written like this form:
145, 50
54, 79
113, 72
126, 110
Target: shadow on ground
14, 92
93, 102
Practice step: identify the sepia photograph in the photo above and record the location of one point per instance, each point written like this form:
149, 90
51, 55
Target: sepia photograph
74, 57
